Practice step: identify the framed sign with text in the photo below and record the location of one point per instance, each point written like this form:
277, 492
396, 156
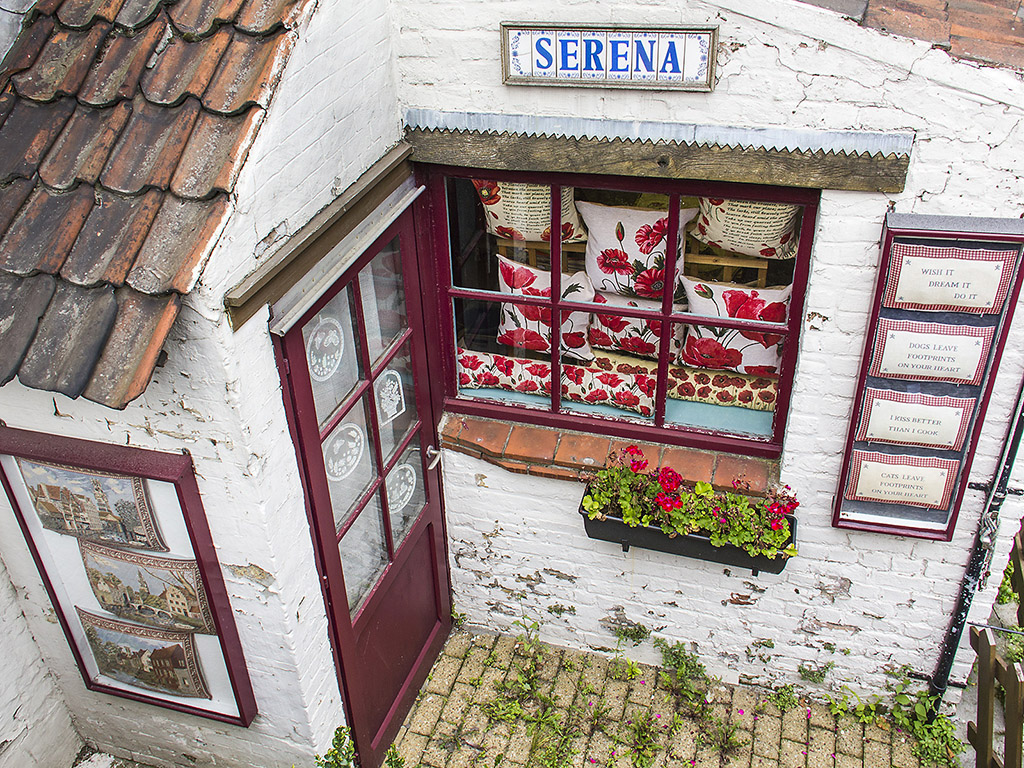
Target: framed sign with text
943, 304
122, 545
609, 56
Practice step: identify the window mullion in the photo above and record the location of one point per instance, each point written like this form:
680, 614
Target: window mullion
556, 297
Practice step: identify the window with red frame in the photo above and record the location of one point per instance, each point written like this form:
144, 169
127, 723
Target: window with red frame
663, 310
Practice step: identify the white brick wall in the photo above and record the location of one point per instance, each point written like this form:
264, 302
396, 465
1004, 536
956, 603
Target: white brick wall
781, 64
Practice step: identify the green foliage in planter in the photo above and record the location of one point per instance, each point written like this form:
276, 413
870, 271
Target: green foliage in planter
342, 753
658, 497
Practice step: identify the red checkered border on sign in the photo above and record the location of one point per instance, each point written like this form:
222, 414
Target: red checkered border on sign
910, 398
900, 251
901, 460
885, 325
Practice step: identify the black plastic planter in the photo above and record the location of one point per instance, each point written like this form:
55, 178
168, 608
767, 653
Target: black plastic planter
696, 545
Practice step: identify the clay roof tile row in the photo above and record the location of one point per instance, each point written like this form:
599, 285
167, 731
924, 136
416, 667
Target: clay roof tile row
123, 127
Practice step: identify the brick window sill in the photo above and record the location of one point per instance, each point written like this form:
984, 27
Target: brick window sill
565, 455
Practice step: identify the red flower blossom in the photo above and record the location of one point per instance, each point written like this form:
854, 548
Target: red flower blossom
616, 323
768, 252
508, 232
633, 450
539, 370
768, 397
573, 373
599, 338
487, 379
644, 410
721, 380
645, 384
648, 237
488, 191
503, 364
627, 399
525, 338
749, 307
516, 277
709, 353
761, 370
650, 283
527, 386
758, 383
574, 340
725, 397
470, 361
613, 261
686, 389
669, 479
464, 379
701, 378
704, 392
609, 379
596, 395
567, 232
717, 201
746, 396
636, 345
637, 465
654, 326
535, 314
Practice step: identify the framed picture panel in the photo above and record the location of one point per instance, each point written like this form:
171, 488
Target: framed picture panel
121, 542
943, 304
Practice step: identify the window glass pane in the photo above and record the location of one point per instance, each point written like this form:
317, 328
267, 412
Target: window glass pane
617, 383
332, 354
726, 380
383, 295
517, 372
364, 553
348, 461
396, 401
406, 492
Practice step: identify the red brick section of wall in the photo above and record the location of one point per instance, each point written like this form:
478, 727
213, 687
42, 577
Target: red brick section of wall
572, 455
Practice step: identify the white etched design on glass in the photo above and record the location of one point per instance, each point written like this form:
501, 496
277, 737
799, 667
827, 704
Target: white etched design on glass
390, 396
324, 349
343, 451
401, 485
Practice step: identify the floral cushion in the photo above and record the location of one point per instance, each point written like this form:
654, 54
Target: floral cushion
729, 348
626, 248
767, 230
523, 211
630, 334
530, 327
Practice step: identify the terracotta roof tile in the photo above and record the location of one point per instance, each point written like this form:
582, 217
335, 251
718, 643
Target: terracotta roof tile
196, 18
62, 64
81, 150
49, 7
135, 13
115, 75
133, 347
178, 244
80, 13
148, 150
22, 303
247, 73
184, 68
26, 48
110, 238
69, 339
258, 17
7, 99
12, 195
44, 230
27, 134
214, 154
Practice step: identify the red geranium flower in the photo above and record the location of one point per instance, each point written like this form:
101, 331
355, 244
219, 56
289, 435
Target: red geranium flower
525, 338
487, 379
709, 353
636, 345
612, 261
650, 283
488, 191
516, 277
509, 232
595, 395
599, 338
648, 237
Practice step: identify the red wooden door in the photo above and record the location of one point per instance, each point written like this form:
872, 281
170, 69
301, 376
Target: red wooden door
356, 373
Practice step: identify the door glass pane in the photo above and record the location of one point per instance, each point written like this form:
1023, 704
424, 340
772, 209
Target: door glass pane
364, 553
383, 294
348, 461
406, 492
332, 354
396, 402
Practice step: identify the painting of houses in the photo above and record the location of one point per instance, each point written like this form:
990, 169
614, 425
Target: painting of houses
113, 509
155, 659
157, 591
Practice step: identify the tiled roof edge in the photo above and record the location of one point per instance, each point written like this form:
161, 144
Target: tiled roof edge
779, 139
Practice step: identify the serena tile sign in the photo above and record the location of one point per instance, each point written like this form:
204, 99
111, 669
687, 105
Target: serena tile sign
943, 305
609, 56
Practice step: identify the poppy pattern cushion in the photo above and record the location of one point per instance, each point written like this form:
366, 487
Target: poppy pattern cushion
630, 334
529, 327
626, 248
521, 211
731, 349
752, 228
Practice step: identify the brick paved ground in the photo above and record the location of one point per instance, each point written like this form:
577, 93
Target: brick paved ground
482, 708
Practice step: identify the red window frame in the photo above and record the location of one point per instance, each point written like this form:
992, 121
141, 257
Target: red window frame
434, 177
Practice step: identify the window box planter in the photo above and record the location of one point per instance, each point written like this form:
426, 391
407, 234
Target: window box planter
695, 545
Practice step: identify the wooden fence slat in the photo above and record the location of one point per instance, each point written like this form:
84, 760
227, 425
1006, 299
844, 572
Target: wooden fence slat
980, 734
1013, 683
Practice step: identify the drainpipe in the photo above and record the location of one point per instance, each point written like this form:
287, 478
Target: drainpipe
981, 549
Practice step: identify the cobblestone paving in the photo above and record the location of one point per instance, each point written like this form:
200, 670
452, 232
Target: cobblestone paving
595, 717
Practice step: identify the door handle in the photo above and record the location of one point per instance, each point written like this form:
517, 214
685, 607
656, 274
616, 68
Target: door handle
435, 458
